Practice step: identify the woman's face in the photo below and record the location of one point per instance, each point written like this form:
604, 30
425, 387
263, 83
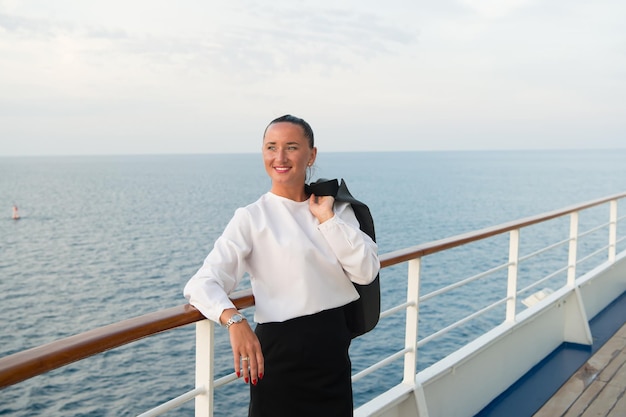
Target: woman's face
286, 154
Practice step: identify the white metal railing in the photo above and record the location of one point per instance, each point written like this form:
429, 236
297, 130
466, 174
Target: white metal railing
205, 352
24, 365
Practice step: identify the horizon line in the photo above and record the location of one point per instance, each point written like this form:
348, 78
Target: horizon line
60, 155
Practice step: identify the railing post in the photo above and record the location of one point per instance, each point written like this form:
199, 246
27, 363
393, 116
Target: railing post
573, 245
612, 230
412, 317
205, 331
511, 289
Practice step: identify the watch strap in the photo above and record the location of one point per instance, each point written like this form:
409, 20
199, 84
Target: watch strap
235, 318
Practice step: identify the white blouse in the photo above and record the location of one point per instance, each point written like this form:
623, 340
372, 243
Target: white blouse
297, 266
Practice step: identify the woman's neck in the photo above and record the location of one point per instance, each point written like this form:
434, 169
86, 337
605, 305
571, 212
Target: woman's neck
292, 193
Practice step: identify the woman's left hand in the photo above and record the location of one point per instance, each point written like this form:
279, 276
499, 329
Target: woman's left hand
247, 354
322, 207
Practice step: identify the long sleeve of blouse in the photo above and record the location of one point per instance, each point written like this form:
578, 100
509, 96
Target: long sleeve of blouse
296, 265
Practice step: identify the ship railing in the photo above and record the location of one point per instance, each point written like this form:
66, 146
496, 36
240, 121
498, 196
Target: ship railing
27, 364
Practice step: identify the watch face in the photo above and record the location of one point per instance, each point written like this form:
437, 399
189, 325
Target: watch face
235, 318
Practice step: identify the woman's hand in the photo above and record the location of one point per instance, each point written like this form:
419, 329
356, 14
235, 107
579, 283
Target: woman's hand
247, 354
322, 207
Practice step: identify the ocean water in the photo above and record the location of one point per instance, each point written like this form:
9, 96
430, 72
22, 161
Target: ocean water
102, 239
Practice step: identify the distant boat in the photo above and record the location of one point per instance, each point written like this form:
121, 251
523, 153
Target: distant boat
16, 214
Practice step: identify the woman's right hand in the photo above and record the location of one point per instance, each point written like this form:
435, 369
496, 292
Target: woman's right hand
247, 354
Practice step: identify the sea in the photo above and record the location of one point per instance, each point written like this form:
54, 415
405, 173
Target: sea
106, 238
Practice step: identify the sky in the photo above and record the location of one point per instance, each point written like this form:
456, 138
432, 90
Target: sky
204, 76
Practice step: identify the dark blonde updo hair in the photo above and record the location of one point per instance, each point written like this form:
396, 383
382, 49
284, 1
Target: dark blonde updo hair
308, 132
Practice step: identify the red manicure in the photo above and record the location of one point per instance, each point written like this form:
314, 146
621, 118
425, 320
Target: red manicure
254, 382
246, 380
260, 376
238, 374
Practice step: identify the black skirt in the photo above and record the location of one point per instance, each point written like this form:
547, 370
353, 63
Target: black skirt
307, 368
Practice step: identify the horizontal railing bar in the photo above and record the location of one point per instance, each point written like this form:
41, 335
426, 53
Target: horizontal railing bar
403, 255
595, 229
380, 364
540, 251
456, 324
226, 379
174, 403
592, 254
541, 281
462, 282
393, 310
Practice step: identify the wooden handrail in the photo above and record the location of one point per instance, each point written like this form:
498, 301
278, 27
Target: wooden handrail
36, 361
406, 254
32, 362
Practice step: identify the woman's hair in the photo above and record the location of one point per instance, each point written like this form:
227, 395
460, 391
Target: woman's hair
308, 132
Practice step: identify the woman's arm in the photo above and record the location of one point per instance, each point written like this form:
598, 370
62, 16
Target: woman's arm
356, 251
221, 271
208, 291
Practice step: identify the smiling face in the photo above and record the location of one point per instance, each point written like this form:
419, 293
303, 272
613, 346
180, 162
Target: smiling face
287, 154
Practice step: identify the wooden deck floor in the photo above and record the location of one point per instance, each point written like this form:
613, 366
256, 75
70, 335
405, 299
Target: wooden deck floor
598, 388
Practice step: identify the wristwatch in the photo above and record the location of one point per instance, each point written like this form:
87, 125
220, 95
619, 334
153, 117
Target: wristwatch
234, 319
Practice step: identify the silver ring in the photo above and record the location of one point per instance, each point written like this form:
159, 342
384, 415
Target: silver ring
245, 359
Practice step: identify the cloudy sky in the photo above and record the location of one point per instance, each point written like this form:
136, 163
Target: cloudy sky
205, 76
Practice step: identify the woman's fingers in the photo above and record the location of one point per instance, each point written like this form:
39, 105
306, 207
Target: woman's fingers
254, 366
321, 207
260, 368
247, 354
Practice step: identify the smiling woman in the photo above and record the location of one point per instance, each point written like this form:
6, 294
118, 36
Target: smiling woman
287, 152
303, 253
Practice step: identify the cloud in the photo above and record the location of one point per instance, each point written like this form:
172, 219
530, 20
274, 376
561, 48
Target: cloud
261, 41
25, 26
272, 41
187, 71
495, 9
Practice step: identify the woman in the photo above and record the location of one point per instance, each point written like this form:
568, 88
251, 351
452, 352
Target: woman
302, 253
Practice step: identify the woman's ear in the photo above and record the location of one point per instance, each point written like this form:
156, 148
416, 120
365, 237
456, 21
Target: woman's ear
313, 156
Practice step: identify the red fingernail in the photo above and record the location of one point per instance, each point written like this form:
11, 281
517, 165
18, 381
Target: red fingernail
260, 376
254, 382
246, 379
238, 374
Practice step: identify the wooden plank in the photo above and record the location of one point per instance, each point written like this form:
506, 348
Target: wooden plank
598, 388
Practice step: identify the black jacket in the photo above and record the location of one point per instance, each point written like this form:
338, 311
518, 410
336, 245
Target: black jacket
361, 315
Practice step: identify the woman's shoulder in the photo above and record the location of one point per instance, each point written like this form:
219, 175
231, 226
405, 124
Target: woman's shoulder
261, 201
255, 207
246, 215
